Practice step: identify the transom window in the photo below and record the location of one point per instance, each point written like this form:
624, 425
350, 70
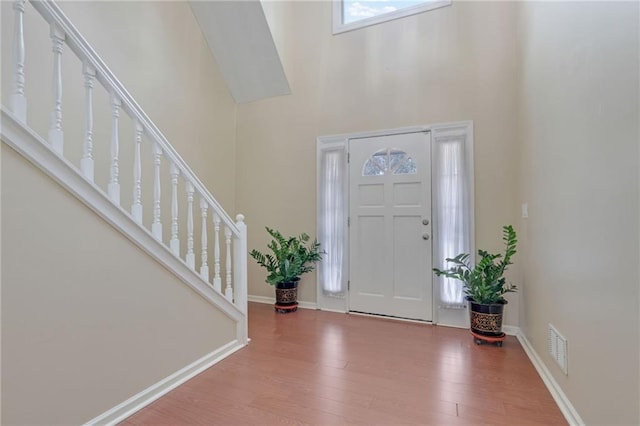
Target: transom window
389, 161
352, 14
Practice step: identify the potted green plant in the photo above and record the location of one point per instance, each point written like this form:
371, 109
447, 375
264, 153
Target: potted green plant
289, 259
485, 284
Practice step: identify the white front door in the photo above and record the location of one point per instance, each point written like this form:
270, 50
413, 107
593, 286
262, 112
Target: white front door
390, 225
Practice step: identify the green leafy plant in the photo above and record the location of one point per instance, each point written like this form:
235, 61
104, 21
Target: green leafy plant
484, 282
290, 258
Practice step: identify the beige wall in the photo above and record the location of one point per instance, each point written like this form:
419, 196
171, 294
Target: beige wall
87, 322
552, 90
452, 64
78, 324
579, 130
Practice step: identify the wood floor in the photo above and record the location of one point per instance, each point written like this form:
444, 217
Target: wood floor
322, 368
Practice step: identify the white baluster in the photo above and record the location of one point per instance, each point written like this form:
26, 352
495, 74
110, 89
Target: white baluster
18, 100
174, 243
156, 226
56, 136
136, 207
204, 268
228, 291
217, 281
86, 163
113, 189
191, 258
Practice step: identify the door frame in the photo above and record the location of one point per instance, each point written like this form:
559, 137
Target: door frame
340, 142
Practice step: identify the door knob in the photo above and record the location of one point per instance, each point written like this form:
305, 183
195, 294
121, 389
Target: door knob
425, 236
425, 221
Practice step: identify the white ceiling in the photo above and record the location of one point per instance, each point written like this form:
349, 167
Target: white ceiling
239, 38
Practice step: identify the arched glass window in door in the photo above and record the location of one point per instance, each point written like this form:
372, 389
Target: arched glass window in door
389, 161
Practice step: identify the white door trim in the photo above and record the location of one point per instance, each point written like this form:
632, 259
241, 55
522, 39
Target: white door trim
340, 142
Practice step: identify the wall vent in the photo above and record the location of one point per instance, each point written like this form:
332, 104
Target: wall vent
557, 347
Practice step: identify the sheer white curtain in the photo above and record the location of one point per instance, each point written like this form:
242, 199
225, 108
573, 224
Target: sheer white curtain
332, 221
453, 212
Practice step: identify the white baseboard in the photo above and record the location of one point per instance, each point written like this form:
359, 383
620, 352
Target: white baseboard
511, 330
155, 391
567, 409
508, 329
261, 299
272, 300
306, 305
337, 311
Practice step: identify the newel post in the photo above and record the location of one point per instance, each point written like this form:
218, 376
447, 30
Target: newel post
228, 290
240, 272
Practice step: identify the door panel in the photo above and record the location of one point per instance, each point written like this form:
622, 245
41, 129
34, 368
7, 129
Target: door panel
369, 228
371, 195
407, 194
407, 262
390, 213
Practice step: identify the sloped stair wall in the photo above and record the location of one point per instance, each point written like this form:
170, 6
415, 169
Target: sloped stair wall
101, 311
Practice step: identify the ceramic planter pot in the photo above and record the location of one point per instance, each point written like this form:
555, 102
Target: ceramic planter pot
287, 296
486, 319
287, 293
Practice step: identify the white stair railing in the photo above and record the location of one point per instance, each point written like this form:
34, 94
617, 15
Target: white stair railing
63, 33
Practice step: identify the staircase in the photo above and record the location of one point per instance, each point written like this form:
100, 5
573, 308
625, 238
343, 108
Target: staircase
187, 232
